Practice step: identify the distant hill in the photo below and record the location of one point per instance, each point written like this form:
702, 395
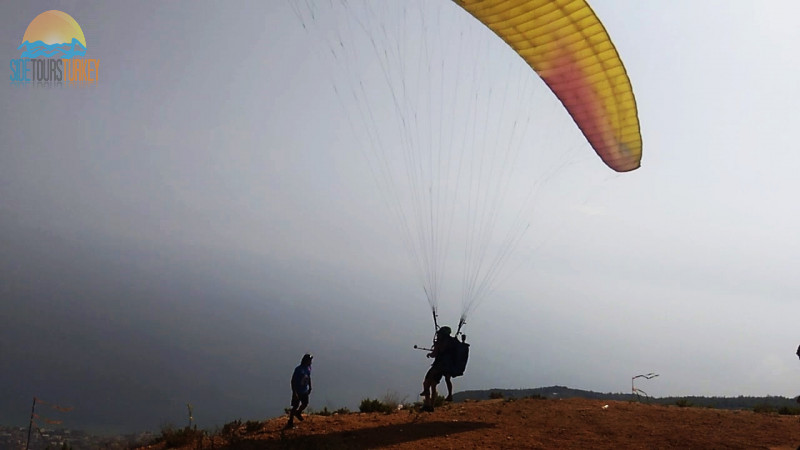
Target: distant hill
774, 403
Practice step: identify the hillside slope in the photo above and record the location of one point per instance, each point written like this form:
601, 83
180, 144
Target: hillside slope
526, 424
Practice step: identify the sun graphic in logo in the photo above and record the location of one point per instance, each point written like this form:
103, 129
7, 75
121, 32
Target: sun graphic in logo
53, 34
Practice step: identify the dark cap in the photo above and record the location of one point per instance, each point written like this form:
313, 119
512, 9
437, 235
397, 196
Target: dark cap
307, 358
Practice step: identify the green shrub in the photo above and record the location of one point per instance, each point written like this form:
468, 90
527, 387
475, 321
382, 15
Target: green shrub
392, 400
327, 412
179, 437
252, 425
683, 403
787, 411
231, 428
765, 409
374, 405
231, 431
494, 395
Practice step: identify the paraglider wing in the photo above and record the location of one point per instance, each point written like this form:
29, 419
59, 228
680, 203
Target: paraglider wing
565, 43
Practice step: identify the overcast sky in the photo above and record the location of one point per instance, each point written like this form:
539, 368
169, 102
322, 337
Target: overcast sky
186, 229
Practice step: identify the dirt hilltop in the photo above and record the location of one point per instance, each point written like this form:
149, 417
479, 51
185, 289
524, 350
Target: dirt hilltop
524, 424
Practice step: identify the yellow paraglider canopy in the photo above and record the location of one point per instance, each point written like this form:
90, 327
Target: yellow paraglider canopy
565, 43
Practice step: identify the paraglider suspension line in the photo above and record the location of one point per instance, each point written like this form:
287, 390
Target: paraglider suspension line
435, 324
461, 323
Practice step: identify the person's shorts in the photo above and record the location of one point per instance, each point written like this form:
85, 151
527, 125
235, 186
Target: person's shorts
298, 399
434, 375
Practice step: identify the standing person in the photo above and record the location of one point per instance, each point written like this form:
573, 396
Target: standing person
301, 388
441, 360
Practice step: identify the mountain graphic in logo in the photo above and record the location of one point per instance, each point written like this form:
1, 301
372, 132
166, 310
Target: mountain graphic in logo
53, 34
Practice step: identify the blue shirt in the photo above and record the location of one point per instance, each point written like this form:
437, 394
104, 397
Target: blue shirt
301, 379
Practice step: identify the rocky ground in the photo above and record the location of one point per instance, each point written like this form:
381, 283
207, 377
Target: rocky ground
524, 424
